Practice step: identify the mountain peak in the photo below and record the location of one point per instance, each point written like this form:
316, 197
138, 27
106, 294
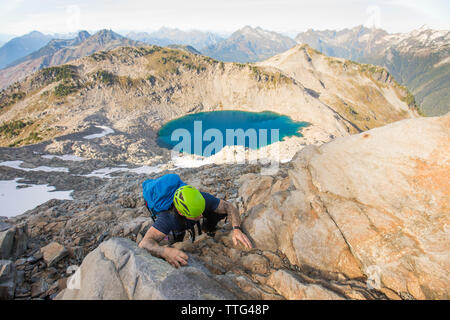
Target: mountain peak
424, 27
34, 33
260, 33
245, 30
107, 34
83, 35
250, 44
167, 29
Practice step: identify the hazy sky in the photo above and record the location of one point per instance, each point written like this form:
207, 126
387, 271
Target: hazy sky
51, 16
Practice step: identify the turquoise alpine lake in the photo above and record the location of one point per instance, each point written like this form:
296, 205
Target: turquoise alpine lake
206, 133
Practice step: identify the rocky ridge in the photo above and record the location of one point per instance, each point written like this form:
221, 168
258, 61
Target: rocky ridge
61, 51
366, 95
418, 59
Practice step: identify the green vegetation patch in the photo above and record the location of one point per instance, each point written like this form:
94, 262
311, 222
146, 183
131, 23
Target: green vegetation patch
371, 69
99, 56
312, 51
274, 78
33, 137
13, 128
333, 61
105, 77
64, 89
164, 61
409, 99
7, 99
128, 82
53, 74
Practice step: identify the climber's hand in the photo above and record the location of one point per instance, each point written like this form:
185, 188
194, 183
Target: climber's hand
175, 257
238, 235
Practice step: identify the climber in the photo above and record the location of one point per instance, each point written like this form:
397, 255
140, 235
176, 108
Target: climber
189, 206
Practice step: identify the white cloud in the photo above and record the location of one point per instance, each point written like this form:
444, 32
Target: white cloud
6, 7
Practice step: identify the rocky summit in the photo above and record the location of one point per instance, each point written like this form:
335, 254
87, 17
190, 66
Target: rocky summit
361, 217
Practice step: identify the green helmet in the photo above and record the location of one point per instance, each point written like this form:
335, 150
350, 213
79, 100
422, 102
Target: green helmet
189, 201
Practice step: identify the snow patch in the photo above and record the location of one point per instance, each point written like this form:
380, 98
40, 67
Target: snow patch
106, 172
15, 201
65, 157
16, 164
106, 131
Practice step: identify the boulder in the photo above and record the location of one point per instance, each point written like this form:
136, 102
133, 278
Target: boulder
53, 252
119, 269
7, 279
371, 206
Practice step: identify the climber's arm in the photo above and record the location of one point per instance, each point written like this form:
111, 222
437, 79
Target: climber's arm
233, 214
231, 211
150, 242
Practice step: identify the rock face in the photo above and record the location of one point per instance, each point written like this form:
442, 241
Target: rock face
371, 206
7, 279
118, 269
13, 240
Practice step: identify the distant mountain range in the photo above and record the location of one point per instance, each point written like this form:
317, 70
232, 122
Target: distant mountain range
52, 47
419, 59
60, 51
245, 45
167, 36
21, 46
249, 45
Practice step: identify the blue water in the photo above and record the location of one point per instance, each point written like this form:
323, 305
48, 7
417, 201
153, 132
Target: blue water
258, 130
